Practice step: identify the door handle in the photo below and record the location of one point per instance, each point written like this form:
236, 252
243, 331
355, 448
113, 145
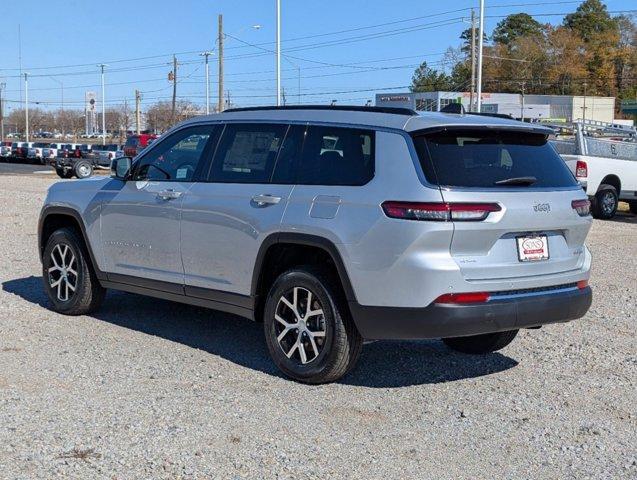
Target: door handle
266, 199
168, 194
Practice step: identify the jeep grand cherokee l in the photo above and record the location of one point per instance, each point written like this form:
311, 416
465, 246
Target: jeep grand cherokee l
333, 225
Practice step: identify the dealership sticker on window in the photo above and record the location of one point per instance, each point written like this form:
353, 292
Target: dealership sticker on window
182, 173
533, 248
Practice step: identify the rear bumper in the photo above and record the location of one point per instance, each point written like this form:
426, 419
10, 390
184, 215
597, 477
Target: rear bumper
453, 320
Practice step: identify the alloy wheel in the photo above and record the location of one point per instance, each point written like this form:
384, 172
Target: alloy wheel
608, 202
63, 274
300, 325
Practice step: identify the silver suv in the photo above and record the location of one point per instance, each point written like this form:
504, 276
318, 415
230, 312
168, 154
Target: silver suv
333, 225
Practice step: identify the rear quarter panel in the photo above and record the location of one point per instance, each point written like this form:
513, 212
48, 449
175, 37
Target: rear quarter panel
383, 257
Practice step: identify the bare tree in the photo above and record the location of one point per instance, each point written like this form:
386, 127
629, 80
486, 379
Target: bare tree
158, 116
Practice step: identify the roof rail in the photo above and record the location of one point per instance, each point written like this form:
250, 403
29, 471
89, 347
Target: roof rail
351, 108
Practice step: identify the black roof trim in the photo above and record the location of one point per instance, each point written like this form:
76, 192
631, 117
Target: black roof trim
350, 108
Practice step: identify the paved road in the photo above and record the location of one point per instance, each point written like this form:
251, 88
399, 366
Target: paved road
22, 168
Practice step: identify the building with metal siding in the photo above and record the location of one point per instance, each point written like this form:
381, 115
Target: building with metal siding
564, 108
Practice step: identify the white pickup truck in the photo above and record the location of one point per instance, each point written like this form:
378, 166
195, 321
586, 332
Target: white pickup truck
606, 167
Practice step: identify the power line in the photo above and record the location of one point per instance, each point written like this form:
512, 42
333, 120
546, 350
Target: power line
337, 32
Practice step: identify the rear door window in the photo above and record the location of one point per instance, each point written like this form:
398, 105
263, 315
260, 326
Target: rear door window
491, 159
337, 156
247, 153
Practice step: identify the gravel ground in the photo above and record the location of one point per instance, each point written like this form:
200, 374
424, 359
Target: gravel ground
153, 389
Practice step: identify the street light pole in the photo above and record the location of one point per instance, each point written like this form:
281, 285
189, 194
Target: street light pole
206, 54
278, 52
102, 65
480, 46
26, 106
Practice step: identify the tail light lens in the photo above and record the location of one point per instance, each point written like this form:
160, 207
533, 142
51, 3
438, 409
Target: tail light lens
582, 207
442, 212
581, 169
582, 284
471, 297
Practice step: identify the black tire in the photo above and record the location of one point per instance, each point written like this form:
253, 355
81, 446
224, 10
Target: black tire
63, 174
605, 202
481, 344
633, 207
83, 169
88, 294
340, 345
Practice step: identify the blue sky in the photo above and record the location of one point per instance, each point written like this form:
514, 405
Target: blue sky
377, 48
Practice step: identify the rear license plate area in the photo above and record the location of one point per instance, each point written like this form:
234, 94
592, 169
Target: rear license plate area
532, 248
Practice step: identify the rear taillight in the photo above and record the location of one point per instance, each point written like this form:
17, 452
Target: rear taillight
581, 169
582, 207
471, 297
442, 212
582, 284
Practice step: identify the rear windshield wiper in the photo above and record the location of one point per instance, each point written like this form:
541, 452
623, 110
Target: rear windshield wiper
517, 181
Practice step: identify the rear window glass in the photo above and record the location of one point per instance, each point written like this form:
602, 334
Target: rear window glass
337, 156
478, 158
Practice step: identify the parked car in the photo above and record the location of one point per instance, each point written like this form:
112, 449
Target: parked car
605, 163
5, 149
19, 151
333, 225
49, 153
34, 153
69, 162
108, 153
136, 143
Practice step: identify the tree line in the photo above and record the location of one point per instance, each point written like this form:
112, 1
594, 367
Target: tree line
590, 53
118, 118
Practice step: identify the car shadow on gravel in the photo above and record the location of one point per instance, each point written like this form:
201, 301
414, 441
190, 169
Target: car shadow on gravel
382, 364
623, 217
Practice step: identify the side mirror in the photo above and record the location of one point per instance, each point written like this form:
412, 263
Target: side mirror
121, 167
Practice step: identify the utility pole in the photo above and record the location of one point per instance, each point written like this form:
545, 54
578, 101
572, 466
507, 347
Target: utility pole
172, 114
206, 54
2, 85
473, 60
26, 105
138, 117
220, 40
480, 46
278, 52
102, 65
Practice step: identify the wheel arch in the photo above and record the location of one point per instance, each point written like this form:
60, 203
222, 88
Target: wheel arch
55, 217
612, 180
271, 245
